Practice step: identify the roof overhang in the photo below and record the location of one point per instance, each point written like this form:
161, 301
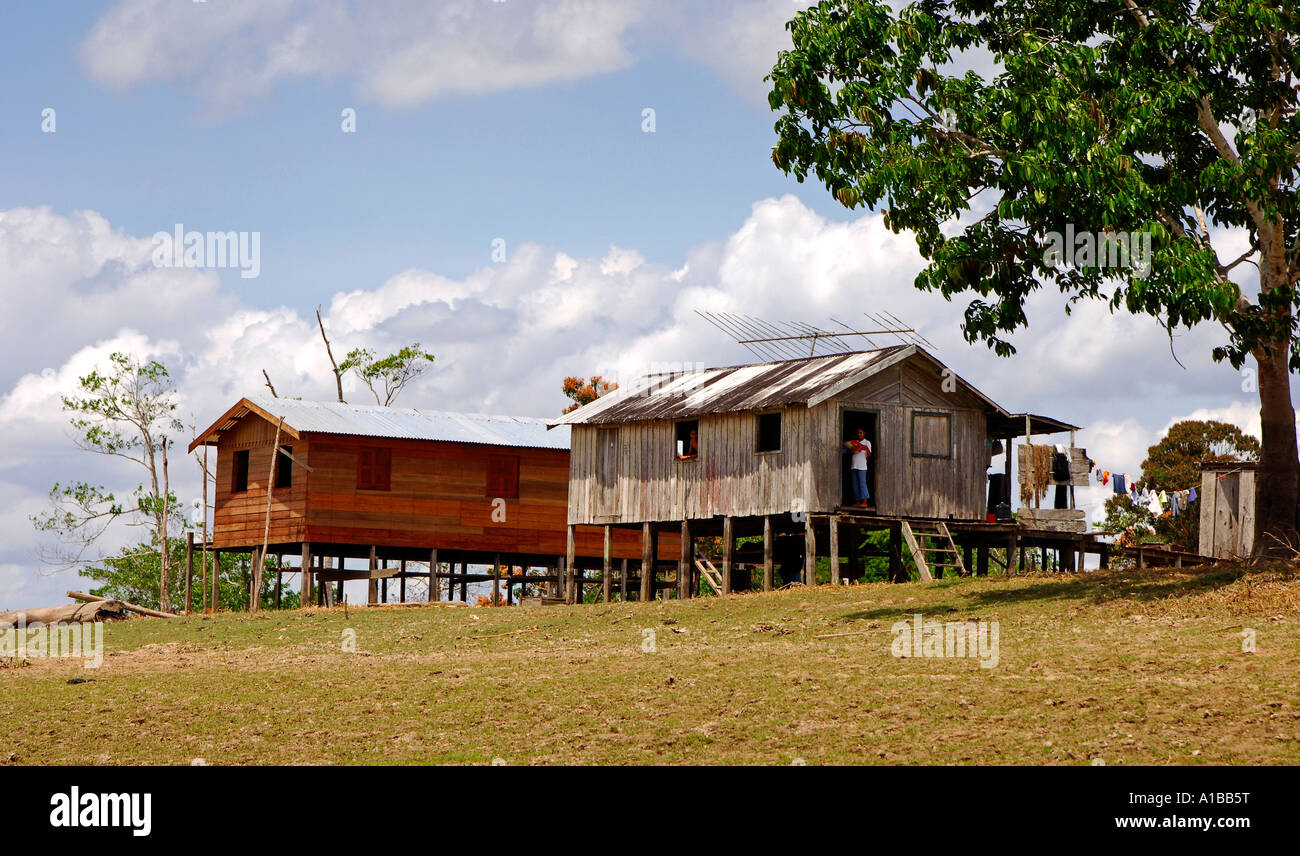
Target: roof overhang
1002, 424
211, 436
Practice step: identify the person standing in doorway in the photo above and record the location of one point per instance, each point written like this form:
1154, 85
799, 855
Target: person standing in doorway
861, 450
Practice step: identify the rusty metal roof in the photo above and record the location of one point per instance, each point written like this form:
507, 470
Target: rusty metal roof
301, 417
808, 381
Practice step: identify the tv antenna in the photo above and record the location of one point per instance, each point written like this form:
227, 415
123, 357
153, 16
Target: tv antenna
797, 340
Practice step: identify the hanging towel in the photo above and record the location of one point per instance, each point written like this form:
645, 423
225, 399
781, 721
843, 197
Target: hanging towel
1119, 484
1154, 506
1191, 495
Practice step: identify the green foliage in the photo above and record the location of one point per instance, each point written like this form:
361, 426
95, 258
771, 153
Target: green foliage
1104, 116
392, 373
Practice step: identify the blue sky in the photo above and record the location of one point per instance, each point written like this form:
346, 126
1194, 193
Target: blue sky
476, 121
430, 186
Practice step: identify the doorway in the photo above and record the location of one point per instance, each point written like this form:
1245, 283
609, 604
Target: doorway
850, 421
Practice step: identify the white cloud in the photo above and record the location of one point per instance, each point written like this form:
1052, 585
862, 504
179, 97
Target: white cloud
399, 53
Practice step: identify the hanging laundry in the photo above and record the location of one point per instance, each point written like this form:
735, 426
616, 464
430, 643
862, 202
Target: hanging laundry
1191, 495
1105, 476
1164, 498
1154, 506
1119, 484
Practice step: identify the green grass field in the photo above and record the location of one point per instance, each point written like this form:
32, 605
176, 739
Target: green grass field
1128, 668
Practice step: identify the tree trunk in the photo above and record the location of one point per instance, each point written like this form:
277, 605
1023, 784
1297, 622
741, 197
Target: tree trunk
1277, 485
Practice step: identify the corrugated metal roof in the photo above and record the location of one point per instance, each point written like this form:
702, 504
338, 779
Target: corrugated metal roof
731, 389
411, 424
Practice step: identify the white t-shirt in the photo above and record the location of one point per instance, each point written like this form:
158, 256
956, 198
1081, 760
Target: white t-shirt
860, 456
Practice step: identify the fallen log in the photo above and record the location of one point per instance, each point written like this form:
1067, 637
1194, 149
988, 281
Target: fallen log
129, 607
70, 613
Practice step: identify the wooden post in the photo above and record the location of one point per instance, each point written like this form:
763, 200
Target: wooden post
982, 560
835, 550
1006, 465
648, 539
896, 574
266, 529
570, 553
189, 570
496, 578
205, 538
728, 545
1013, 550
304, 584
622, 582
767, 553
608, 567
684, 569
402, 581
372, 592
279, 578
383, 585
433, 575
809, 552
250, 576
464, 582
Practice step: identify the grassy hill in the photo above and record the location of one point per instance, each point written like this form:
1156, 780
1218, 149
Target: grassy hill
1129, 668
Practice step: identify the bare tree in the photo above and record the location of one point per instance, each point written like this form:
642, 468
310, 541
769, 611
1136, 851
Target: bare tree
124, 412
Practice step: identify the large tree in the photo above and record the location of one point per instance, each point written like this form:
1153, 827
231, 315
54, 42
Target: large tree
1103, 125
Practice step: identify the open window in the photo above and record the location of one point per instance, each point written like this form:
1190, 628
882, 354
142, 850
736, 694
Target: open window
503, 476
239, 477
688, 439
768, 429
284, 467
374, 468
931, 434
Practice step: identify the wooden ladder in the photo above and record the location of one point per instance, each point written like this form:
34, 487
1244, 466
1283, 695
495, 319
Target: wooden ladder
709, 573
932, 547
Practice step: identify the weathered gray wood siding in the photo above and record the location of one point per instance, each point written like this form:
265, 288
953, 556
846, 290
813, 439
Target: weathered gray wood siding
629, 473
641, 478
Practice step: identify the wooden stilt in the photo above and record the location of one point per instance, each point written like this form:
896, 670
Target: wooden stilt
216, 578
767, 553
648, 538
496, 579
279, 581
1014, 549
464, 582
433, 575
684, 569
372, 594
728, 546
608, 566
622, 582
570, 554
304, 584
835, 550
982, 561
402, 582
809, 552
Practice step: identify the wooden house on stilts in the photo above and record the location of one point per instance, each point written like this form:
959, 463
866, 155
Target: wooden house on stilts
758, 450
390, 486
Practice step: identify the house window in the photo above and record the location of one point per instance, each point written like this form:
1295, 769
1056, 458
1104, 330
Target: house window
374, 469
769, 432
239, 481
284, 467
503, 476
688, 440
931, 435
606, 456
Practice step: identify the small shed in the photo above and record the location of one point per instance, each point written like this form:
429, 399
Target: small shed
1227, 503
